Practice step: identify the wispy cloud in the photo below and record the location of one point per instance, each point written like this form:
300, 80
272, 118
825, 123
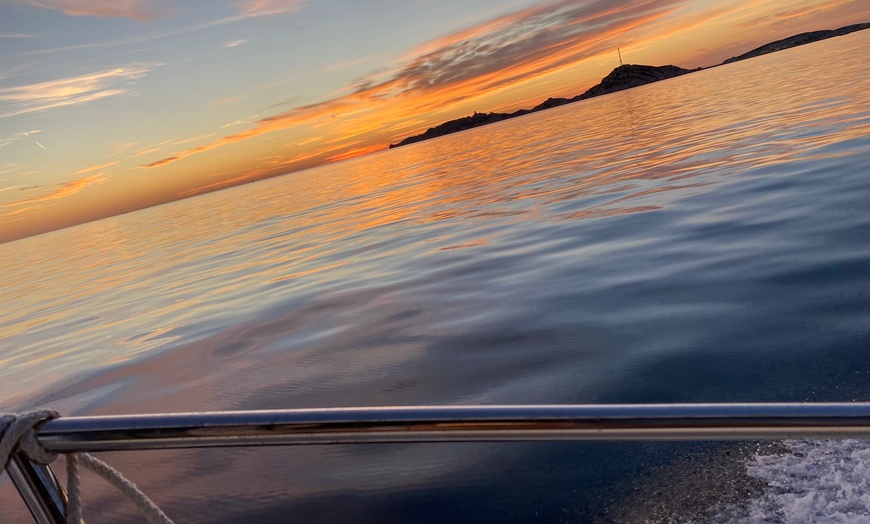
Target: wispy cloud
153, 148
813, 12
192, 139
267, 7
240, 122
122, 148
91, 169
17, 35
69, 91
331, 68
19, 136
227, 100
146, 151
133, 9
248, 10
236, 43
8, 168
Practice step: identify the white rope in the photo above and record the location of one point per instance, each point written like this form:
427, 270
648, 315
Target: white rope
17, 433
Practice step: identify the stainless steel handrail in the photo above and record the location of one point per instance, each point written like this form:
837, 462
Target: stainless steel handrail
47, 501
458, 424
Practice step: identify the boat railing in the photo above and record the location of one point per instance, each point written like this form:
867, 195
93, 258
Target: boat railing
46, 499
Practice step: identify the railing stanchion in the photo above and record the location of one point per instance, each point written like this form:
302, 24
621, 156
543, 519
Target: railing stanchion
40, 489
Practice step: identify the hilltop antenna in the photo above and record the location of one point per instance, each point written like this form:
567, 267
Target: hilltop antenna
620, 56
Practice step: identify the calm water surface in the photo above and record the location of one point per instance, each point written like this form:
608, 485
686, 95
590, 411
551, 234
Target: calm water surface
702, 239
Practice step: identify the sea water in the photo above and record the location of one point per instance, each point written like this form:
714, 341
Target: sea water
701, 239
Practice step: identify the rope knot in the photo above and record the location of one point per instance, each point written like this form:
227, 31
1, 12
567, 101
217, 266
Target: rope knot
17, 432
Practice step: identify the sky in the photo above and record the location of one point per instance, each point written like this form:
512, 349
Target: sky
108, 106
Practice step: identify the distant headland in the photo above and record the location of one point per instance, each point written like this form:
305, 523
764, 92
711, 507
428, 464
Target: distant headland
623, 77
797, 40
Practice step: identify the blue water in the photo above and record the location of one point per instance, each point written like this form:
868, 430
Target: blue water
701, 239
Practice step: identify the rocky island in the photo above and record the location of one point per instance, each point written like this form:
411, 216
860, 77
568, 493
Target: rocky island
797, 40
623, 77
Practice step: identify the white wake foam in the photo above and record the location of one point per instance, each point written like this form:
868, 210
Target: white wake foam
817, 481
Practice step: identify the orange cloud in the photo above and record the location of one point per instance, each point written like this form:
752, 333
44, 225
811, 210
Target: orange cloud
95, 168
311, 140
495, 55
62, 191
133, 9
531, 42
18, 211
675, 26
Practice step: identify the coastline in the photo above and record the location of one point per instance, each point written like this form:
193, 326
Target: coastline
621, 78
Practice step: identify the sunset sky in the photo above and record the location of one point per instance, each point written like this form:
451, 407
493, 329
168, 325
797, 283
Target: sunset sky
111, 105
